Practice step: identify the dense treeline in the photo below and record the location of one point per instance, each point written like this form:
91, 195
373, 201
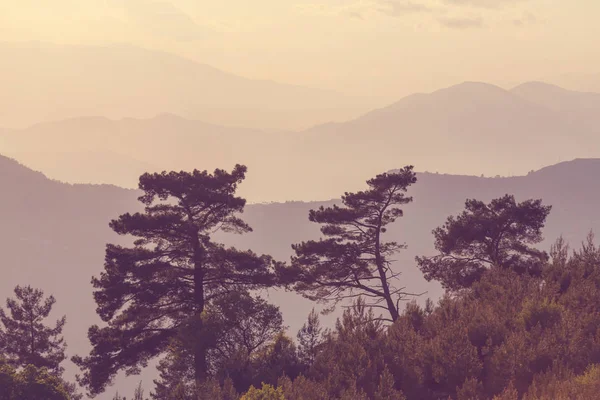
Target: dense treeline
515, 323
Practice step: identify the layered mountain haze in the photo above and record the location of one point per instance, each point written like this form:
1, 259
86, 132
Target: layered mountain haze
53, 231
477, 129
100, 150
42, 82
581, 108
473, 128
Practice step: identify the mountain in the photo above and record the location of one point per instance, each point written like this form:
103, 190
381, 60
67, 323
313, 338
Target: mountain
101, 150
580, 107
52, 234
43, 82
471, 128
557, 98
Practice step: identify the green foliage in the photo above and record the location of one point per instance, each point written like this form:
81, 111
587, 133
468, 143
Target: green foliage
266, 392
472, 389
354, 259
302, 389
485, 235
162, 287
565, 385
354, 352
244, 328
25, 339
386, 389
278, 359
543, 313
30, 383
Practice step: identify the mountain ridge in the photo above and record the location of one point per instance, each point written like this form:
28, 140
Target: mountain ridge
129, 81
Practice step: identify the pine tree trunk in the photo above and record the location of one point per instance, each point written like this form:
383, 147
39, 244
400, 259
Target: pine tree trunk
200, 366
382, 276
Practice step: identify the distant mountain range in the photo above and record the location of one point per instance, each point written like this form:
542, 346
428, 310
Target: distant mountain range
44, 82
471, 128
52, 235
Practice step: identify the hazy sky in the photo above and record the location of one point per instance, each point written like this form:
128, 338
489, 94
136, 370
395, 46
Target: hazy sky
386, 48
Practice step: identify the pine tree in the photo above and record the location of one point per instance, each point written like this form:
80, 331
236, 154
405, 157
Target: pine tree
484, 236
26, 339
30, 383
310, 338
245, 325
354, 260
386, 389
160, 288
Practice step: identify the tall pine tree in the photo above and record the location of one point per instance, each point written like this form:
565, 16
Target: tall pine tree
159, 289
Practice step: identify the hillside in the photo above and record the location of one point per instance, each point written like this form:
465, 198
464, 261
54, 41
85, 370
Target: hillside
52, 232
471, 128
43, 82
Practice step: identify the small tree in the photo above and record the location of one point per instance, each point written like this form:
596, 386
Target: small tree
242, 325
386, 389
310, 338
26, 339
266, 392
485, 235
354, 260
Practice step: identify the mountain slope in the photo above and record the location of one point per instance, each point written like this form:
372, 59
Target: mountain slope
52, 235
557, 98
43, 82
582, 108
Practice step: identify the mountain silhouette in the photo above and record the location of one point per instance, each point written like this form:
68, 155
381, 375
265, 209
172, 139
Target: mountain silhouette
471, 128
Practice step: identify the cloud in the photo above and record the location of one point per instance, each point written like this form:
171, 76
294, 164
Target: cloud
461, 22
484, 3
164, 19
361, 9
526, 19
396, 8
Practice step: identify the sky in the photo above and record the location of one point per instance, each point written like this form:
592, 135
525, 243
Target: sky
385, 49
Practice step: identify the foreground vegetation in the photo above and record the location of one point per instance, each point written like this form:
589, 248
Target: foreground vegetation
515, 323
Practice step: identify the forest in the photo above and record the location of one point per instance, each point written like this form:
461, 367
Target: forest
515, 322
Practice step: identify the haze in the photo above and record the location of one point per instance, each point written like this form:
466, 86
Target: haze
315, 97
379, 49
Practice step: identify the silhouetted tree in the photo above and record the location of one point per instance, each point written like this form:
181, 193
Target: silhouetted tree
310, 339
242, 325
25, 337
160, 288
485, 235
354, 260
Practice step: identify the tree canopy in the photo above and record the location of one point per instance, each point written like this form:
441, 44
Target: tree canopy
30, 383
26, 339
353, 259
151, 292
484, 235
